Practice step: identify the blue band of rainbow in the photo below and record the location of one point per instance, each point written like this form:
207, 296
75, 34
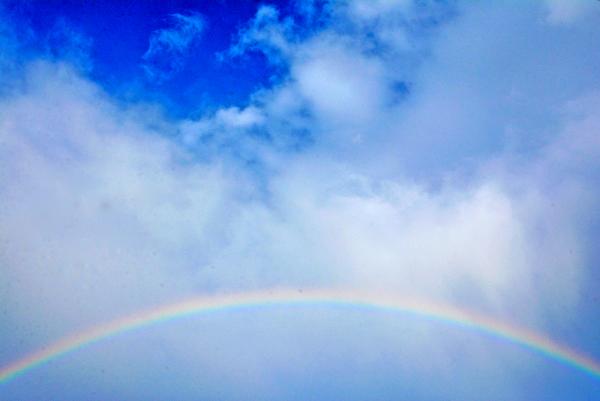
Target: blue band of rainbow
444, 313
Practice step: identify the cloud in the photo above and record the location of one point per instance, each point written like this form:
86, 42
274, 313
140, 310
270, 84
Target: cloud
437, 187
69, 45
265, 33
168, 47
76, 174
562, 12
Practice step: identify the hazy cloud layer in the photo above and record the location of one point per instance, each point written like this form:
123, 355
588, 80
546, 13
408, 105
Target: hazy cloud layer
168, 47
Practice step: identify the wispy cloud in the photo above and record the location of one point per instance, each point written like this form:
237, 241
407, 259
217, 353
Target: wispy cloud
67, 44
167, 49
265, 33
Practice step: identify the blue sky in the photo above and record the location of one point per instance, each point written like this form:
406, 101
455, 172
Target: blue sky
116, 35
442, 150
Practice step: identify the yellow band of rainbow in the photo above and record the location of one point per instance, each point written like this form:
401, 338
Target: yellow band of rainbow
444, 313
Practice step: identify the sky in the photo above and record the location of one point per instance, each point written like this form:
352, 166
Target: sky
441, 150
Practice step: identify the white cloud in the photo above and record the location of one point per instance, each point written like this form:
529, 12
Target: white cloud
369, 10
236, 118
478, 238
101, 198
168, 46
100, 211
266, 33
340, 86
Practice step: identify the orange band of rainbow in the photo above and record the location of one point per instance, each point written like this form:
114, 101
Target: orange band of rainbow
447, 314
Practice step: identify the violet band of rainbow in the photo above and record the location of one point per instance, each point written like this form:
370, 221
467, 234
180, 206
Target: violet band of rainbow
528, 339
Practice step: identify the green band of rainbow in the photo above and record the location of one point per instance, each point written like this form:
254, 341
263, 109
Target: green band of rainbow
525, 338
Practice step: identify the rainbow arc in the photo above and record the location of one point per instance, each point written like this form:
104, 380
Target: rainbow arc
525, 338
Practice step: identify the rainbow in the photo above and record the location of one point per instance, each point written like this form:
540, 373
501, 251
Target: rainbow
443, 313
